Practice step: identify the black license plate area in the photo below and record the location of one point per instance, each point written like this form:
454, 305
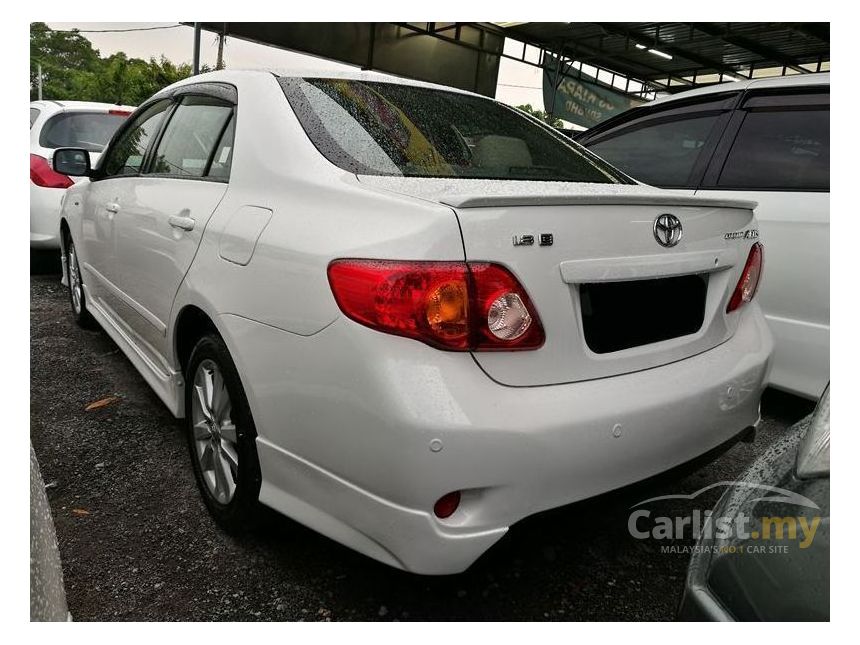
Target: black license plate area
622, 315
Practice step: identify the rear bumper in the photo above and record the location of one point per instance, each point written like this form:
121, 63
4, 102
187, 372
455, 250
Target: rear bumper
45, 217
361, 444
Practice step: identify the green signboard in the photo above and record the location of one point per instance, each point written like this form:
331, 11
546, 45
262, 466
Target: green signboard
579, 99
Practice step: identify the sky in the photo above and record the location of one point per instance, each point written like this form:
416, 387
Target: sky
518, 83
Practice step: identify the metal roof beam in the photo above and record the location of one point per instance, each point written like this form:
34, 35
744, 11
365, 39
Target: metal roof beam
648, 41
598, 60
579, 51
583, 54
818, 30
751, 46
597, 57
600, 56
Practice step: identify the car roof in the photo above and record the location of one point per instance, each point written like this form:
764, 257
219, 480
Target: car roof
80, 105
796, 80
310, 72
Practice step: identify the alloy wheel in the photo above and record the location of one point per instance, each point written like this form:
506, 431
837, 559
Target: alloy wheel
215, 437
75, 279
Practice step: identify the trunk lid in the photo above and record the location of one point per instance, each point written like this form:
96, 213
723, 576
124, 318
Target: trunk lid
611, 299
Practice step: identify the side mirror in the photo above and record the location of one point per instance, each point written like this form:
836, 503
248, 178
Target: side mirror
74, 162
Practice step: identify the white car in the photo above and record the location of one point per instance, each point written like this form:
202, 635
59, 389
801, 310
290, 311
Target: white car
767, 140
409, 316
62, 124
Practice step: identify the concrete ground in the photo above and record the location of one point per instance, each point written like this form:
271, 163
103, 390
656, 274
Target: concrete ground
137, 543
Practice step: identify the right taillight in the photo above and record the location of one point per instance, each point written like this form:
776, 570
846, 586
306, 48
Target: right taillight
43, 175
749, 280
503, 317
460, 306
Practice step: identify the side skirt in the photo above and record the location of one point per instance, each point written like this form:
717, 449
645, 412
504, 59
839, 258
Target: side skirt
167, 385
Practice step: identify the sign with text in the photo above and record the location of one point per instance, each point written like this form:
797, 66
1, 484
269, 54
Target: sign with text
581, 100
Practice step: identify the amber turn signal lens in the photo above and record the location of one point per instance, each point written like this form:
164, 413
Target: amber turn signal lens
448, 309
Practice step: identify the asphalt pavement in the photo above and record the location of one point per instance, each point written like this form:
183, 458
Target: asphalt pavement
137, 543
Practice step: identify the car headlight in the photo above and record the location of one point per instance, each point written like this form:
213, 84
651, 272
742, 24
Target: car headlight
813, 454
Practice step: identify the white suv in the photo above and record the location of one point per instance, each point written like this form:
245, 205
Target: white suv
766, 140
59, 124
409, 316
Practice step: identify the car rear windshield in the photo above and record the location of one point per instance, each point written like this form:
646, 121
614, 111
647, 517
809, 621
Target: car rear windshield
372, 128
88, 130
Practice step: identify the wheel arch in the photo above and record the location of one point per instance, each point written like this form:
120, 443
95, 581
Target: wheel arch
195, 319
192, 323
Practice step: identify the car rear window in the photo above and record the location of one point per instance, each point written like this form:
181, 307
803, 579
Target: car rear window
390, 129
34, 114
88, 130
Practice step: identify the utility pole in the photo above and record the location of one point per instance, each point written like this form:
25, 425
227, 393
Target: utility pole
219, 62
39, 82
195, 69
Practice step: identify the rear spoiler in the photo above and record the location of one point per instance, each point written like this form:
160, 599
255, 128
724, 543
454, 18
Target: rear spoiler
480, 193
537, 199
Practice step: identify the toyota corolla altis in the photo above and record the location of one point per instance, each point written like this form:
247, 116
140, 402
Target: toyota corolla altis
405, 315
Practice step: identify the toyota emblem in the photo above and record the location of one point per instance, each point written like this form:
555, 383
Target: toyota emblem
668, 230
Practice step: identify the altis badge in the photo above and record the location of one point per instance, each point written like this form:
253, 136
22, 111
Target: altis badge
749, 234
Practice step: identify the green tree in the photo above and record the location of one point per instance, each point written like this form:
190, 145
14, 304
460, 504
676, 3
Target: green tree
68, 60
539, 114
73, 70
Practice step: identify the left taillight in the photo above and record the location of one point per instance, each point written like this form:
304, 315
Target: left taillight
456, 306
749, 280
43, 175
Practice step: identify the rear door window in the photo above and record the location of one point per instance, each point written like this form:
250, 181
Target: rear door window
88, 130
659, 152
192, 138
780, 147
222, 160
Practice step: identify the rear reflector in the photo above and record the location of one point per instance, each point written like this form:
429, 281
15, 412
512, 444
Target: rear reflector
447, 505
43, 175
750, 278
458, 306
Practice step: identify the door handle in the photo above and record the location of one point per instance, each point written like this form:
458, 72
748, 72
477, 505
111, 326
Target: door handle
112, 208
185, 223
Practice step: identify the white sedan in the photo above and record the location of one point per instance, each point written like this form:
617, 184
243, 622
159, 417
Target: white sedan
405, 315
62, 124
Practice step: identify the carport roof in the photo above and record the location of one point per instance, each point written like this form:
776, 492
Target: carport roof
678, 55
639, 58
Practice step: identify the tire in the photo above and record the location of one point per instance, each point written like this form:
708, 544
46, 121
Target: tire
77, 295
221, 436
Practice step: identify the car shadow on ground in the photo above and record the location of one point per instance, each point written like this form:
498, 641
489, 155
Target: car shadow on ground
45, 262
